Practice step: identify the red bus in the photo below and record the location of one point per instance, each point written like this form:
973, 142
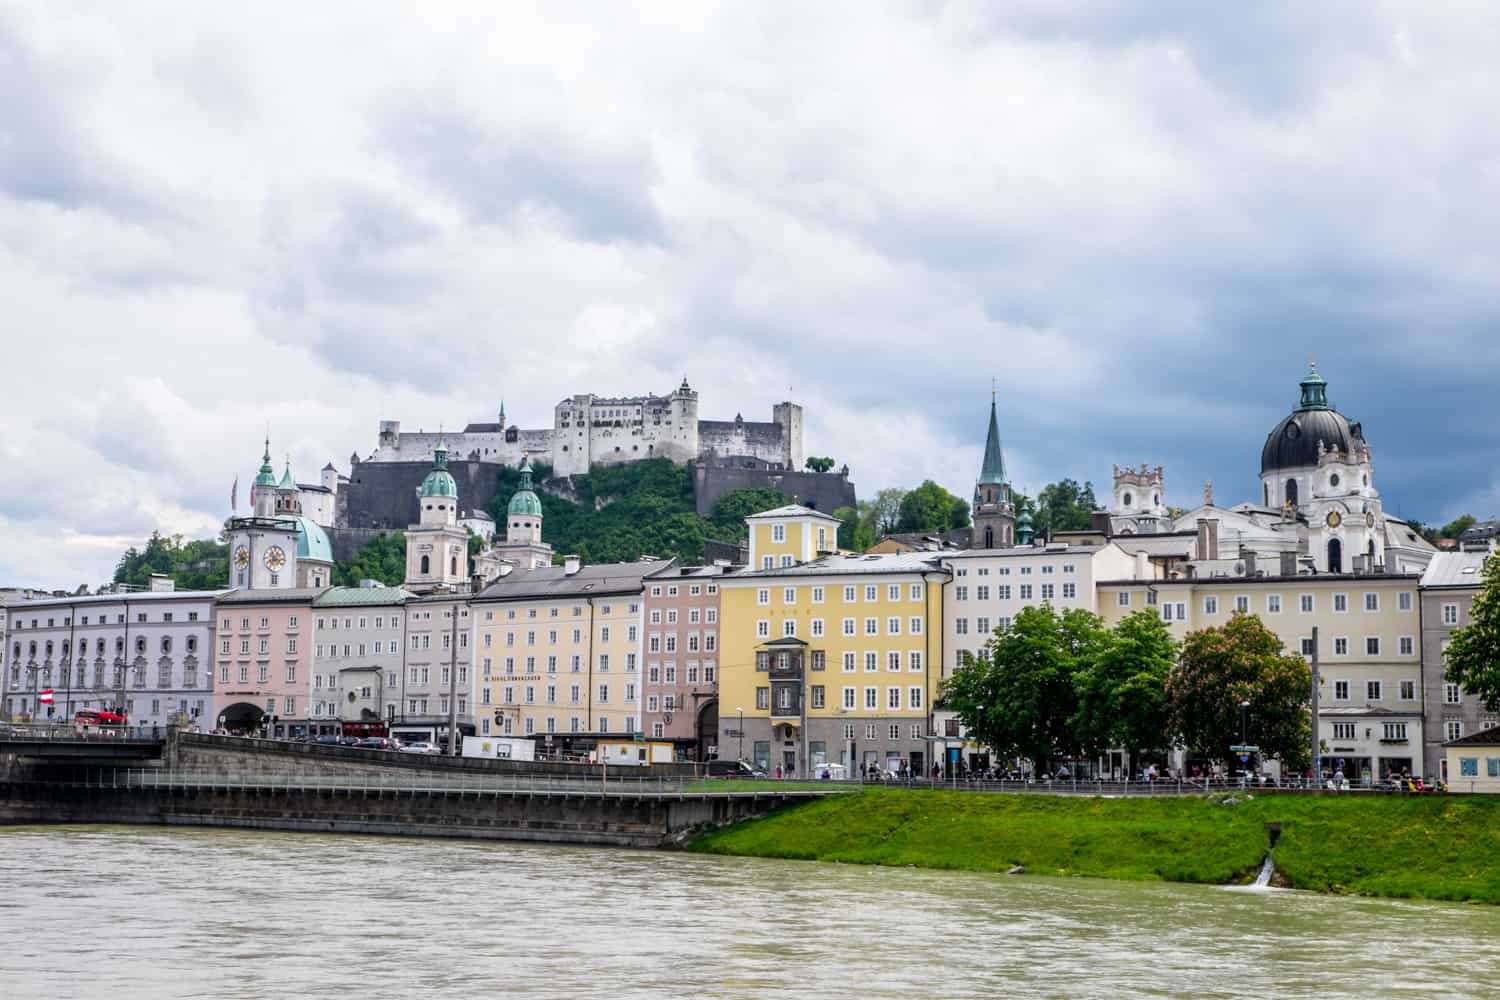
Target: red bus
98, 717
365, 729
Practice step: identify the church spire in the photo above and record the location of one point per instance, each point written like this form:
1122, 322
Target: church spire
993, 470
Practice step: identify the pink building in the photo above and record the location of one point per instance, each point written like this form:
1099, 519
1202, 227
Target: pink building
681, 684
263, 663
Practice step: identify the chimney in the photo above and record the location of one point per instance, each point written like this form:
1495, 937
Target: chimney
1249, 556
1208, 538
1288, 564
1357, 565
571, 565
506, 568
1142, 565
161, 583
476, 583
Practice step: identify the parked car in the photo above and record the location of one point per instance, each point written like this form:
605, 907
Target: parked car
324, 740
421, 746
732, 769
379, 743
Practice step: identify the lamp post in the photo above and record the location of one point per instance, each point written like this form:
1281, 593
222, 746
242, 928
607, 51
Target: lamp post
1244, 760
741, 731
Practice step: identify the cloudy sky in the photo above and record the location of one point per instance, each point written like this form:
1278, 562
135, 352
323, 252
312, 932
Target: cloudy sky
1140, 218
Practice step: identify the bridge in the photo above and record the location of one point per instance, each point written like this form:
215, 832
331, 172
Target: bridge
69, 743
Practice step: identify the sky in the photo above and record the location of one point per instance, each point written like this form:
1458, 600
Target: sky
1139, 220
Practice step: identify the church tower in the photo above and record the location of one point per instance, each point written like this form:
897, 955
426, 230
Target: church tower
523, 546
437, 549
994, 508
272, 549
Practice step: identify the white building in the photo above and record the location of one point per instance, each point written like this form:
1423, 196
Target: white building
277, 547
146, 655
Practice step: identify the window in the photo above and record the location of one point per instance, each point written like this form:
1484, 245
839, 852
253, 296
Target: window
778, 532
872, 592
1453, 729
763, 629
982, 625
872, 626
1242, 604
893, 699
789, 595
1408, 690
849, 664
1372, 690
1273, 604
893, 626
1450, 614
961, 626
1403, 601
872, 698
914, 625
1340, 603
983, 593
1468, 767
818, 696
1025, 591
1305, 603
849, 595
763, 596
914, 698
1307, 646
914, 661
1343, 731
915, 591
1394, 732
872, 663
1372, 601
1340, 645
1070, 590
816, 628
893, 662
788, 627
817, 595
1122, 599
1451, 694
763, 698
849, 698
1210, 605
848, 626
1340, 690
1003, 593
1372, 645
1047, 589
1406, 645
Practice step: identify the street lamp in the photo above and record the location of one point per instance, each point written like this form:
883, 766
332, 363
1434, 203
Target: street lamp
741, 731
1244, 760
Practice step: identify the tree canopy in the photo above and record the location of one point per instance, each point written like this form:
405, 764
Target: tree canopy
1122, 698
930, 508
1241, 661
1064, 506
382, 558
196, 565
819, 464
1474, 650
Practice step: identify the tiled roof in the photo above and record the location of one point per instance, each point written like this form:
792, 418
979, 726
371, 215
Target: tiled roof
553, 581
1455, 569
288, 595
794, 510
890, 562
349, 597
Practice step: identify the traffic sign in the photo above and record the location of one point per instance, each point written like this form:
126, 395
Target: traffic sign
1244, 749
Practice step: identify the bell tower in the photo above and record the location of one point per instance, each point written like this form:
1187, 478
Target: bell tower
994, 507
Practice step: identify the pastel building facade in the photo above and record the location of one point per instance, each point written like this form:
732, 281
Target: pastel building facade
680, 686
145, 655
830, 660
264, 661
436, 686
790, 535
1448, 588
359, 639
1370, 665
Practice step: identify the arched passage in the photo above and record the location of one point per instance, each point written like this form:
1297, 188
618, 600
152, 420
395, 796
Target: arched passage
1335, 556
241, 717
708, 728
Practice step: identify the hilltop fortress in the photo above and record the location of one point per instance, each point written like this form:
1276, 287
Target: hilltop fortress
589, 430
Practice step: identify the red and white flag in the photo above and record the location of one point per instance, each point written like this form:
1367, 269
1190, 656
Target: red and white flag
45, 696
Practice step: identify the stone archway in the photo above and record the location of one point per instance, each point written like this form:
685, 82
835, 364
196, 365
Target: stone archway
708, 728
241, 717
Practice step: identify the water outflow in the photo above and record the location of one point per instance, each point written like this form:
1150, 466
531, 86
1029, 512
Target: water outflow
1264, 878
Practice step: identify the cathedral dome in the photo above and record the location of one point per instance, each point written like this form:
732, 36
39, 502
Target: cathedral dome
1293, 443
312, 542
525, 501
439, 482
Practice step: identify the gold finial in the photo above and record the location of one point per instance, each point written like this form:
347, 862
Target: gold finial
1312, 361
993, 383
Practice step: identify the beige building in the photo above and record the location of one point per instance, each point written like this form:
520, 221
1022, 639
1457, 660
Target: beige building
437, 676
1472, 763
560, 651
1449, 586
682, 658
1370, 690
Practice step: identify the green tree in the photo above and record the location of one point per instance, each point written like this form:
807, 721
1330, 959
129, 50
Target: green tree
195, 565
881, 514
929, 507
1018, 694
854, 535
1122, 698
1241, 661
1064, 506
819, 464
381, 558
1474, 650
731, 509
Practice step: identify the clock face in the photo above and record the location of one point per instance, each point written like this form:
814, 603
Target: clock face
275, 558
241, 557
1369, 519
1334, 519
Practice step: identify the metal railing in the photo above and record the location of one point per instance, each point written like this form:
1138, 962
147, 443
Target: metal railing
70, 733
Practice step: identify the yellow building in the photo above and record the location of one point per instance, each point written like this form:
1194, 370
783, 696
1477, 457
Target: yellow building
790, 535
1474, 762
829, 660
559, 650
1369, 654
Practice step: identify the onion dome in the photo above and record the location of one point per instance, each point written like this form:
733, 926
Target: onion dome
267, 476
439, 482
525, 501
1293, 443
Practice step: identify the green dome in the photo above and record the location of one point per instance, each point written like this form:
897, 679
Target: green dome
525, 501
312, 541
439, 483
267, 476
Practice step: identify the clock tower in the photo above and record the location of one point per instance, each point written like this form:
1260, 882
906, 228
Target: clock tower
276, 548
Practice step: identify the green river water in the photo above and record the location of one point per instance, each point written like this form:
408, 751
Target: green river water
153, 913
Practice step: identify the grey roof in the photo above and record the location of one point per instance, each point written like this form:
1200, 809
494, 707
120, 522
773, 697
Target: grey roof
794, 510
851, 565
1307, 579
589, 581
132, 597
1484, 738
287, 595
1455, 570
1480, 530
674, 572
1021, 551
351, 597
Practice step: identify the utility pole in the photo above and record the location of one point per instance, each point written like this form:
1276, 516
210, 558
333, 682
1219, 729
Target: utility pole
453, 683
1317, 757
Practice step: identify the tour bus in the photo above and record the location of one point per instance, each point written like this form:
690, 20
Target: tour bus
99, 719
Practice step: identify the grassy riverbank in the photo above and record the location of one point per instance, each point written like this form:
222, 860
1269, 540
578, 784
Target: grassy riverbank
1439, 847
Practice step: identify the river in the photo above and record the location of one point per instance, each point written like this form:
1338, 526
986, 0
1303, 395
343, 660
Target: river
154, 913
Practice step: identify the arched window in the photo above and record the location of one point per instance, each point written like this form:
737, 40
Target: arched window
1335, 556
49, 649
31, 650
65, 649
119, 647
166, 644
453, 565
1128, 497
989, 537
140, 644
426, 565
1291, 492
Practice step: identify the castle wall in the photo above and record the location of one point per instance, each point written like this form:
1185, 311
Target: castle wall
824, 491
725, 439
384, 494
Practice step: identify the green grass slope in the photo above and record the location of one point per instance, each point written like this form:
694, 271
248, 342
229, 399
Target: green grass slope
1437, 848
